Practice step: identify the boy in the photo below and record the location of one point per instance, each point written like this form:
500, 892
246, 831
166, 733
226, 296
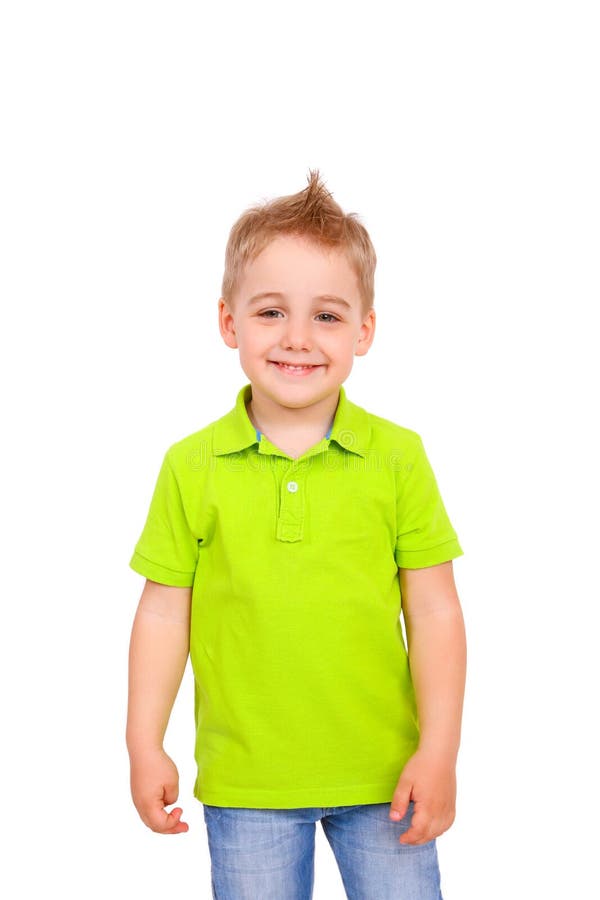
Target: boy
282, 542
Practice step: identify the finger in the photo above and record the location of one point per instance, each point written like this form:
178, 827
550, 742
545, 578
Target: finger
174, 823
163, 822
412, 836
400, 802
440, 824
170, 793
418, 831
170, 824
418, 843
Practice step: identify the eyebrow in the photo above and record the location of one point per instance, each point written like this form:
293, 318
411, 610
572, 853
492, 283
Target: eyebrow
331, 298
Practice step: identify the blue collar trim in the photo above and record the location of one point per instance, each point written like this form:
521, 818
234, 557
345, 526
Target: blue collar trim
258, 434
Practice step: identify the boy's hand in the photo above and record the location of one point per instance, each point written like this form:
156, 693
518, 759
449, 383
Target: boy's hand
429, 780
154, 785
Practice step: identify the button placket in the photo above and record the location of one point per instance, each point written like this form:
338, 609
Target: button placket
290, 525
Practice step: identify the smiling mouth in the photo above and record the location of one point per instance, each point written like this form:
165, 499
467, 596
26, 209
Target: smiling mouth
291, 368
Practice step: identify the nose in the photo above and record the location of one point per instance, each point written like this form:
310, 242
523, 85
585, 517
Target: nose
296, 334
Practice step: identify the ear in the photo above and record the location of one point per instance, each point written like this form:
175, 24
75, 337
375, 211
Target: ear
366, 335
227, 324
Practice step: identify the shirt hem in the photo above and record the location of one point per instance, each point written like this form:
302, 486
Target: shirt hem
379, 792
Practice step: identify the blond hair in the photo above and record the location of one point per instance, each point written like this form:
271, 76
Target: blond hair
312, 214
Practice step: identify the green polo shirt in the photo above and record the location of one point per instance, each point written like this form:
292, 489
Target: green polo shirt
303, 693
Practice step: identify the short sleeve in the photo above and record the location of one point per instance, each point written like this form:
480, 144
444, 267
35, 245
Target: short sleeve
167, 550
424, 533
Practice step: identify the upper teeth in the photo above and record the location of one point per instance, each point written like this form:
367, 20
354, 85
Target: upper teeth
287, 366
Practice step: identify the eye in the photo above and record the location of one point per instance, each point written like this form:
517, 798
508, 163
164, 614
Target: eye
266, 314
331, 318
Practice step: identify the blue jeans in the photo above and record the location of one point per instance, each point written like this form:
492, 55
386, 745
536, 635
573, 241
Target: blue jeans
268, 854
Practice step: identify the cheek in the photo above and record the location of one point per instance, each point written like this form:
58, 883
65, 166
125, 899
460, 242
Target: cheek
255, 345
250, 339
340, 346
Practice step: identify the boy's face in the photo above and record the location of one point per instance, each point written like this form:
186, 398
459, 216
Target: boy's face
300, 323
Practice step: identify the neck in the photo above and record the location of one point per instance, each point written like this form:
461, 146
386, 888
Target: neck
271, 418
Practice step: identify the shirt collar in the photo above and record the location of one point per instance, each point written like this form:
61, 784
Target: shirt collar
234, 431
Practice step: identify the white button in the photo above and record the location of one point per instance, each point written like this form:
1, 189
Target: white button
292, 487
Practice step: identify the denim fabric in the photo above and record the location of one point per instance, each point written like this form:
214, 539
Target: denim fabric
268, 854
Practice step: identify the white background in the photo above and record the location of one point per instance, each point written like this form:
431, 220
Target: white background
466, 136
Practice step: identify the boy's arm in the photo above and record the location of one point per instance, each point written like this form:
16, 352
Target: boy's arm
158, 653
437, 653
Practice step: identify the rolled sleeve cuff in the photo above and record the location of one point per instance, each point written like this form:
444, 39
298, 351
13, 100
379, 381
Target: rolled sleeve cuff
156, 572
419, 559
